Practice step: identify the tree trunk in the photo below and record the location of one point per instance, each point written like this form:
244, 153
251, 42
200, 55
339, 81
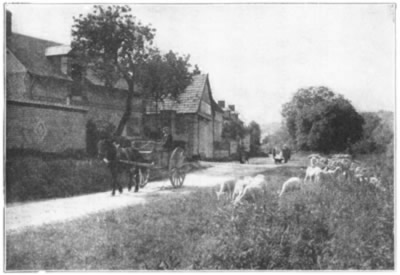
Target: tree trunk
157, 118
128, 110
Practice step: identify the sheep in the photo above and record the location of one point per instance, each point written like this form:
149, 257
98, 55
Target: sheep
363, 174
312, 174
226, 188
329, 175
255, 189
240, 186
375, 181
313, 160
333, 173
291, 184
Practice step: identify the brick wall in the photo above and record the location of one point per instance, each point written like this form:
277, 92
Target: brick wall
44, 126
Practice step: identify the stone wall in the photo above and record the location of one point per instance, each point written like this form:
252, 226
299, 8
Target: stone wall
49, 89
39, 113
206, 138
218, 122
47, 127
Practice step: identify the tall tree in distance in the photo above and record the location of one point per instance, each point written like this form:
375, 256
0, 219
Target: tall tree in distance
113, 44
165, 76
255, 137
318, 119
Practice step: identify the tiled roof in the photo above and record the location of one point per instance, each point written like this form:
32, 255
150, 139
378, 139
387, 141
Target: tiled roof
188, 101
13, 64
30, 52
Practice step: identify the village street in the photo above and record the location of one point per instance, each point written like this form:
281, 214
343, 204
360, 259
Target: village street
23, 215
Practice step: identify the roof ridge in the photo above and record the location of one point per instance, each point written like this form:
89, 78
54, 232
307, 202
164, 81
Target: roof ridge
38, 38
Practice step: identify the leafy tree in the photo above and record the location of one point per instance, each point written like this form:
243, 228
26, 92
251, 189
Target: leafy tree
114, 45
377, 134
255, 136
265, 140
278, 139
318, 119
233, 130
165, 76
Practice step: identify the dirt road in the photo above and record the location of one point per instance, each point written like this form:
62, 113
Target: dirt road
21, 216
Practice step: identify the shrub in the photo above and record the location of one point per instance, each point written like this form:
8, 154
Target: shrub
34, 177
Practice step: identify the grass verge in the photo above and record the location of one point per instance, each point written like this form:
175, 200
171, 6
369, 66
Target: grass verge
329, 227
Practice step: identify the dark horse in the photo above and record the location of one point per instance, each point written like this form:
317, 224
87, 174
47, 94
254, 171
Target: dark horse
111, 153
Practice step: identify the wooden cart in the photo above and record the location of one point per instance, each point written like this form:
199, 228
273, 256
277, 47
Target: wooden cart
159, 158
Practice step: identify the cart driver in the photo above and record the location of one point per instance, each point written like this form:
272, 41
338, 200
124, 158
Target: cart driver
167, 139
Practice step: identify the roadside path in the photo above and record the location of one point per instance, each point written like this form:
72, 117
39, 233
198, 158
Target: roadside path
24, 215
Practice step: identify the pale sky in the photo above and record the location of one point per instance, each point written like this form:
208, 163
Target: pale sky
258, 55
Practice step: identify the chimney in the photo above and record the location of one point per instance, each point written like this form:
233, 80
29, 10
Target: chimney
8, 23
221, 103
232, 107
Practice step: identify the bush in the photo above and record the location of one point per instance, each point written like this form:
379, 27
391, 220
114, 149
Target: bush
377, 133
96, 130
43, 176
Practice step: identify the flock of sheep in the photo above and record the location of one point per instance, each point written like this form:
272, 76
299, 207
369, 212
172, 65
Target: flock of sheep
339, 167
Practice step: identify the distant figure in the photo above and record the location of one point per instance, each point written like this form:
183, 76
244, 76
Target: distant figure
167, 139
243, 155
273, 152
286, 153
278, 158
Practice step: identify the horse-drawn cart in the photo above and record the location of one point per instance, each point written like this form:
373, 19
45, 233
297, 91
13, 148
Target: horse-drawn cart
159, 158
139, 158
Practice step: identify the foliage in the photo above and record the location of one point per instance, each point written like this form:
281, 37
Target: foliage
53, 177
330, 227
96, 130
255, 136
318, 119
165, 76
233, 130
279, 139
112, 44
377, 134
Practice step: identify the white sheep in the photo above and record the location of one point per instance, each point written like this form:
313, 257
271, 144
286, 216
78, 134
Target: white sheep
312, 174
226, 188
291, 184
240, 186
330, 174
375, 181
254, 190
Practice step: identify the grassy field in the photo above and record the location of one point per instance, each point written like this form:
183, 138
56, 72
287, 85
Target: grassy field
328, 227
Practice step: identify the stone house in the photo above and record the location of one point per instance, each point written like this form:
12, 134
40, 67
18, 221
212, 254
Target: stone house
50, 99
192, 118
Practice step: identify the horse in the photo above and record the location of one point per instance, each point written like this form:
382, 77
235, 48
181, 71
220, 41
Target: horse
111, 153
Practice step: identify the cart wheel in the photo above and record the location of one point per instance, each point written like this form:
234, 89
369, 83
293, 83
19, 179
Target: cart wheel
177, 172
144, 176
